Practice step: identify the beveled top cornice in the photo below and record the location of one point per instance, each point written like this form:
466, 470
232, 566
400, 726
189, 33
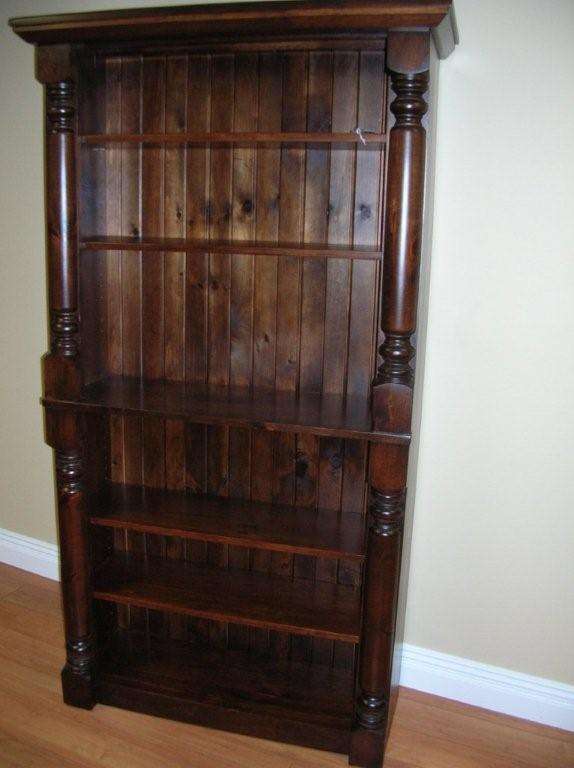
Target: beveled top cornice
232, 21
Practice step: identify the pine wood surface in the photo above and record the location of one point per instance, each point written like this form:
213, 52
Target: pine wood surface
327, 415
321, 609
260, 317
236, 372
245, 247
231, 521
225, 22
238, 137
38, 731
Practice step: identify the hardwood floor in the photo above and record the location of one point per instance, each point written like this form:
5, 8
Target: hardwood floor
38, 731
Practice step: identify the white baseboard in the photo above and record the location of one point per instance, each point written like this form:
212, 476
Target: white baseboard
494, 688
29, 554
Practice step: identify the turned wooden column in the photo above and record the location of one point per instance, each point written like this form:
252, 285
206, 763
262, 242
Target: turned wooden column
407, 64
65, 433
61, 217
388, 471
405, 187
62, 370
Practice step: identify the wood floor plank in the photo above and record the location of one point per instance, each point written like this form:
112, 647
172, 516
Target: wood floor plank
498, 735
32, 655
485, 714
38, 599
12, 579
38, 731
31, 623
427, 751
16, 754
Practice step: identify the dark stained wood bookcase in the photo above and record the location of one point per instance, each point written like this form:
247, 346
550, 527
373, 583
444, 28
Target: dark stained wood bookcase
235, 222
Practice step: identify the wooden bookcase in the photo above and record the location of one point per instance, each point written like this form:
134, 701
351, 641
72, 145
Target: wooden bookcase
234, 227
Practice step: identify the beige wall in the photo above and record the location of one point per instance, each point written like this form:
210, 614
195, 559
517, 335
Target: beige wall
493, 560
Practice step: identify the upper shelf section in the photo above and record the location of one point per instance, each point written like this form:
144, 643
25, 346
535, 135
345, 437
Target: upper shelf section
245, 21
249, 247
326, 415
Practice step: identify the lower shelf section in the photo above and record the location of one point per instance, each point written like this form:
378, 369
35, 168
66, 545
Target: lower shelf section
317, 609
230, 690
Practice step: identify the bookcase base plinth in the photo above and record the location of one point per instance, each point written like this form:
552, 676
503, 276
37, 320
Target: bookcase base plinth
234, 691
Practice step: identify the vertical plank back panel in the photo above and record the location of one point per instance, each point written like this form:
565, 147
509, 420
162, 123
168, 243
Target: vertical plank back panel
313, 292
114, 293
314, 278
131, 287
288, 326
267, 222
152, 335
113, 198
196, 482
219, 293
243, 222
306, 476
92, 210
197, 197
367, 228
152, 199
241, 300
174, 212
219, 207
196, 289
340, 223
273, 322
268, 173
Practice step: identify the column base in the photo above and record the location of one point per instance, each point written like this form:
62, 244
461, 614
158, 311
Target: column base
78, 689
367, 748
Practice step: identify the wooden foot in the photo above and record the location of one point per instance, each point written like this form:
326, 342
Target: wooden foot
367, 748
78, 674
